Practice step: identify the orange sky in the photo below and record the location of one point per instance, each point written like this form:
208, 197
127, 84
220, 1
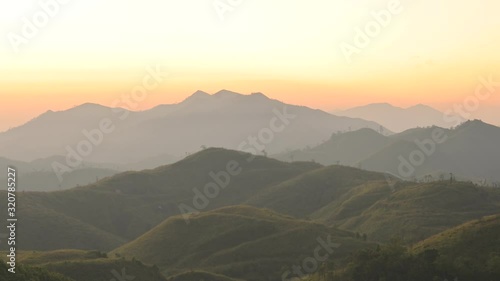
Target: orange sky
431, 53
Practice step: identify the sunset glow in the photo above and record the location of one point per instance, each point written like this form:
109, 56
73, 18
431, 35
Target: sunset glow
93, 51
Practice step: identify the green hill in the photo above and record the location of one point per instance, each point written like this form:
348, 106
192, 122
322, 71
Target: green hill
105, 270
46, 257
28, 273
364, 202
311, 191
239, 242
477, 241
123, 207
81, 265
470, 251
200, 275
42, 228
118, 209
469, 151
417, 211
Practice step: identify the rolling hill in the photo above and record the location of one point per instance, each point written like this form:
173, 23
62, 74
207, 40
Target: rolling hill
200, 275
80, 265
28, 273
469, 151
123, 207
365, 202
475, 240
44, 228
418, 211
239, 242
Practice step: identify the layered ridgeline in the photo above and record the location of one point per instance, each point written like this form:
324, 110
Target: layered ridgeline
107, 214
225, 119
39, 175
400, 119
240, 242
120, 208
378, 205
469, 151
144, 216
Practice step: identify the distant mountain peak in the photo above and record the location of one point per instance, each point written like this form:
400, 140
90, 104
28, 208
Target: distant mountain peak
397, 119
198, 95
381, 104
88, 105
259, 95
420, 106
226, 93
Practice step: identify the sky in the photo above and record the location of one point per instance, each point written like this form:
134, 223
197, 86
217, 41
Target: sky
56, 55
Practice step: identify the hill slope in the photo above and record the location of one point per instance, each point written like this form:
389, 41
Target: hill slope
469, 151
89, 266
365, 202
239, 242
476, 240
125, 206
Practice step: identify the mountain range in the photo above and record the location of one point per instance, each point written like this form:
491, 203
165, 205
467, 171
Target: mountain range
398, 119
469, 151
95, 133
246, 229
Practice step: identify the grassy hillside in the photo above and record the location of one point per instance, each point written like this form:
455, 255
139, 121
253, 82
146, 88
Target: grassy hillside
200, 275
477, 241
470, 251
418, 211
105, 270
46, 257
469, 151
311, 191
28, 273
81, 265
42, 228
239, 242
119, 208
364, 202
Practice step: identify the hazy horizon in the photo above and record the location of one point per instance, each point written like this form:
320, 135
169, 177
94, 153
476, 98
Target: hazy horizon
234, 140
489, 114
430, 53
